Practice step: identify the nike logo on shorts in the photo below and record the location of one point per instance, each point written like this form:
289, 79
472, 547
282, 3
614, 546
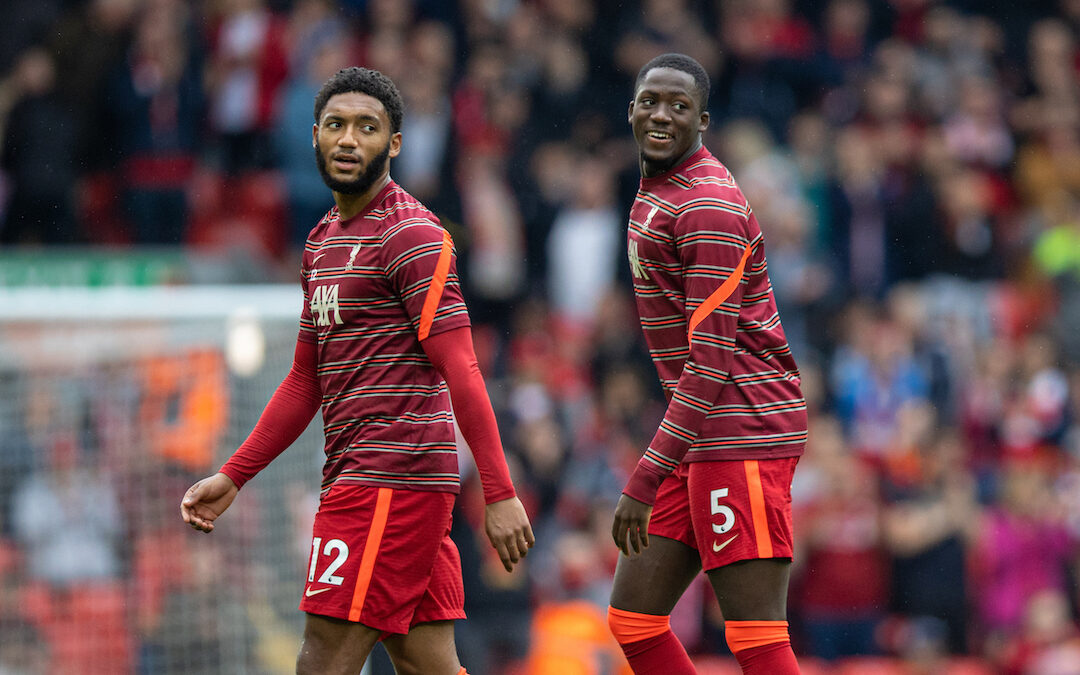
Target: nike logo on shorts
720, 547
308, 592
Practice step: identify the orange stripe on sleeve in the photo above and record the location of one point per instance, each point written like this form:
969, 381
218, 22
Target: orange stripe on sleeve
719, 295
438, 282
371, 551
757, 509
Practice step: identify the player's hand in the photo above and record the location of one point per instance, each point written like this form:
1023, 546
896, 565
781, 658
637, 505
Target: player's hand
508, 530
206, 500
631, 527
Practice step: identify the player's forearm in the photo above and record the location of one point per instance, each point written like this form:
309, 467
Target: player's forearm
452, 354
285, 417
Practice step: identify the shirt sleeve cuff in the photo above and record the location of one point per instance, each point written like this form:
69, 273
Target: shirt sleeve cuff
233, 475
498, 495
644, 482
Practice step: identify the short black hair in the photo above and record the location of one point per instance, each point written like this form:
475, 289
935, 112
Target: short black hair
365, 81
687, 65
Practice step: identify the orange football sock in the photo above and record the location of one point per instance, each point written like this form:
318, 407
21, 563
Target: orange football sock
761, 647
648, 643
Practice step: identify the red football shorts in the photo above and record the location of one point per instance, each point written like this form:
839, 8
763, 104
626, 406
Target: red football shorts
384, 557
728, 511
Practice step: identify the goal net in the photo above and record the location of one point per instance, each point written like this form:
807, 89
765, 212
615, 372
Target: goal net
112, 402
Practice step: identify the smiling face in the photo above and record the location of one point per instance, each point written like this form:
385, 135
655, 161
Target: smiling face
353, 143
667, 119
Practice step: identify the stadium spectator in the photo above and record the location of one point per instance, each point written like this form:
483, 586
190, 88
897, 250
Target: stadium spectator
247, 65
90, 42
929, 523
424, 164
39, 135
841, 584
584, 246
1009, 567
1049, 641
48, 511
155, 117
327, 52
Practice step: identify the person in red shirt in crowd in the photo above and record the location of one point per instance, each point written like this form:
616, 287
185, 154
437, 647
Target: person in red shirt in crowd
384, 349
713, 489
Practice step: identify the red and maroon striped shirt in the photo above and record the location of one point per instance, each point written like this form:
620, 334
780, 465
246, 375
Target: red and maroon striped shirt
374, 286
710, 321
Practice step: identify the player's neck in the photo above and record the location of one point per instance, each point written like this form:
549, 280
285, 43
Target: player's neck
650, 170
350, 205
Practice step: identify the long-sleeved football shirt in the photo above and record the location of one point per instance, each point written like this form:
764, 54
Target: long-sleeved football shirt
710, 321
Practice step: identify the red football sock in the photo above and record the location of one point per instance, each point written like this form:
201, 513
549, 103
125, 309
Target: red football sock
648, 643
761, 647
659, 654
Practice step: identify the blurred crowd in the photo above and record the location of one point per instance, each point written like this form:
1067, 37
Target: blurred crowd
915, 167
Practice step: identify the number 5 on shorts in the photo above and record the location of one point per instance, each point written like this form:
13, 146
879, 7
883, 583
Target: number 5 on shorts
719, 509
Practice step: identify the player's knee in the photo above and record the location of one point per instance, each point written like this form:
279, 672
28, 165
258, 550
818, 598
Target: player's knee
630, 627
331, 646
427, 666
314, 657
310, 660
427, 658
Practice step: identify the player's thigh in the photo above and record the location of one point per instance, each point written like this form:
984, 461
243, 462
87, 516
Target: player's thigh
653, 581
333, 646
428, 648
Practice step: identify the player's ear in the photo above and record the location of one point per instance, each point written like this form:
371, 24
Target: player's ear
703, 124
630, 112
395, 144
314, 135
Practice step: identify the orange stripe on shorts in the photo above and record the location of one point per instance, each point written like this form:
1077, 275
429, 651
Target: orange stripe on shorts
434, 291
371, 551
719, 295
757, 508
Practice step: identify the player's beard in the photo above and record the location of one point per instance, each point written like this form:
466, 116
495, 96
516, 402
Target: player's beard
657, 167
365, 180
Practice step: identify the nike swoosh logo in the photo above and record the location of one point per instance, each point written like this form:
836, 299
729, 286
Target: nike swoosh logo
720, 547
316, 258
308, 592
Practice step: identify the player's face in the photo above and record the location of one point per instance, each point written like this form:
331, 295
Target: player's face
353, 142
666, 118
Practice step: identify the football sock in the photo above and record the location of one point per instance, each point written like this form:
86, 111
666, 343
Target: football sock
648, 643
761, 647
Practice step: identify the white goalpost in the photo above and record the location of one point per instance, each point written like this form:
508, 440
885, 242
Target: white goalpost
112, 402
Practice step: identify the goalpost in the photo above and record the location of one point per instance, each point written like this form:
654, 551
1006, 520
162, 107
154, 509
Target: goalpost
112, 402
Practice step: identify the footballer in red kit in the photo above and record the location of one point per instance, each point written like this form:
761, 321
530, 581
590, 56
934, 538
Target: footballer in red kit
385, 351
712, 491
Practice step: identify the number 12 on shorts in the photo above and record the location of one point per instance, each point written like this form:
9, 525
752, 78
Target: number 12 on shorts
718, 509
332, 546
